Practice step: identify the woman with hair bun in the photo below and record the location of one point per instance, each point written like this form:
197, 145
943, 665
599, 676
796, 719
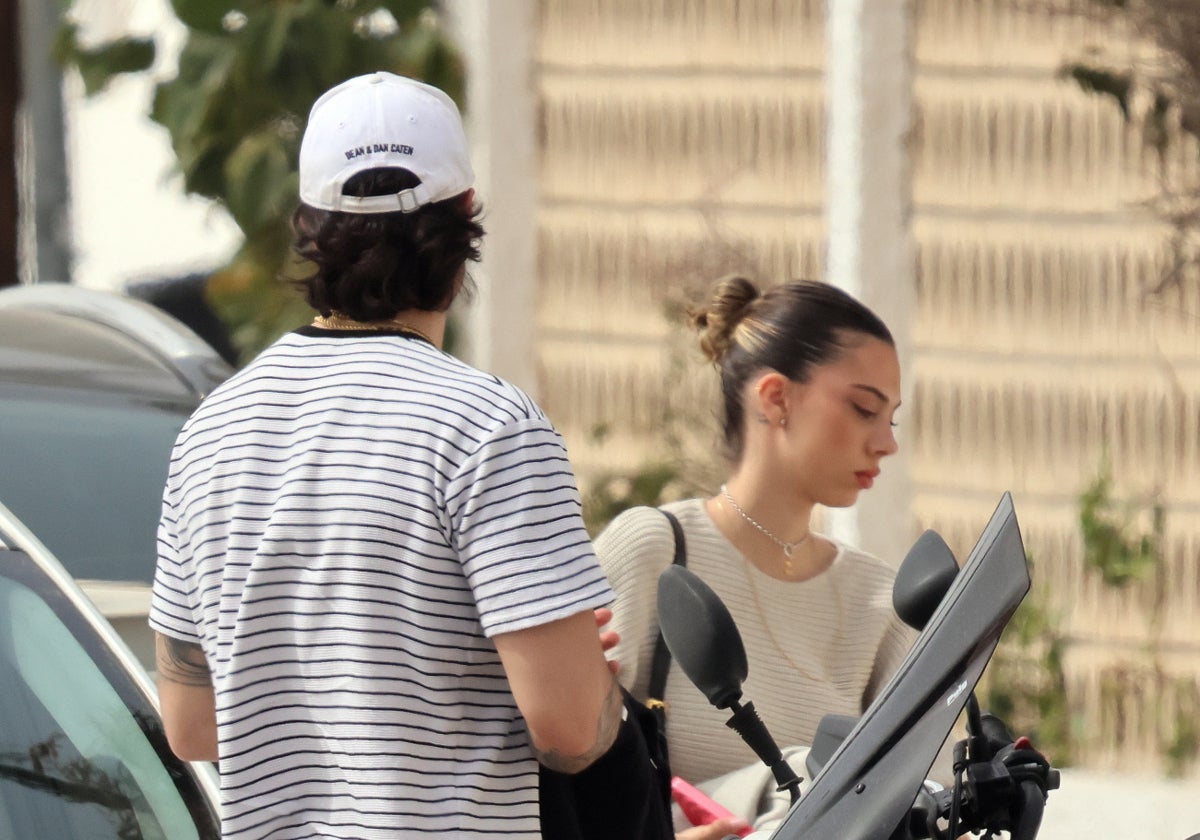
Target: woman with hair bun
810, 384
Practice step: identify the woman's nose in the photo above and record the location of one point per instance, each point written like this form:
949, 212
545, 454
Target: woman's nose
885, 442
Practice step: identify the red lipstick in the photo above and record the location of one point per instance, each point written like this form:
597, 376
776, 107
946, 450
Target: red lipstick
866, 478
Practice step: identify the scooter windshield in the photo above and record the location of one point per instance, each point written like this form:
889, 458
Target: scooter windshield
867, 787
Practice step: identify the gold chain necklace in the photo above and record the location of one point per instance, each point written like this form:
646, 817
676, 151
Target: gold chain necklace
789, 548
337, 321
766, 623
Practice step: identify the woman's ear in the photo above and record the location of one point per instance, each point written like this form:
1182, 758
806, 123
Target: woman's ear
771, 394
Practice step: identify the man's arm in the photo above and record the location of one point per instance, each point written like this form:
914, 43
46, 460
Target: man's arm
564, 689
185, 694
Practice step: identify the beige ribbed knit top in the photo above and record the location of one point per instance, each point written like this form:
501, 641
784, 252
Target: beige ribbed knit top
833, 640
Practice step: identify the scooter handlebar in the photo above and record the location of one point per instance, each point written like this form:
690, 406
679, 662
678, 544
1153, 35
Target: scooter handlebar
1032, 808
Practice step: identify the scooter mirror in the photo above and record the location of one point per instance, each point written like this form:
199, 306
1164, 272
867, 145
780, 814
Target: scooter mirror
702, 636
923, 580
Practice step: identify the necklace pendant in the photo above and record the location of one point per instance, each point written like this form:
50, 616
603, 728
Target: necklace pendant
789, 550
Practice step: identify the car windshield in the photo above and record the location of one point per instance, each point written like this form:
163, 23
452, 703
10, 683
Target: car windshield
87, 478
81, 751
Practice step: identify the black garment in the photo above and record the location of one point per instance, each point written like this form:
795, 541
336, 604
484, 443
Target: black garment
626, 793
623, 794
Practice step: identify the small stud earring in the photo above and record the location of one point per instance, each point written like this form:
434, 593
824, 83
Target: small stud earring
783, 421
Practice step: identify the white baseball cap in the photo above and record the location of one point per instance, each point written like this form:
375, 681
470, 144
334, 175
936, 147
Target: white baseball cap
383, 120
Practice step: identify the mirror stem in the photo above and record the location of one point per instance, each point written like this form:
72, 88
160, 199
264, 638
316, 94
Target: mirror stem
749, 725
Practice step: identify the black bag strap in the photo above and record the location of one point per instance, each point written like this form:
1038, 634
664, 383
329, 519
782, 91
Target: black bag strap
661, 662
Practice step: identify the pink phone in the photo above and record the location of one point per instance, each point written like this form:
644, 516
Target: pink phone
698, 807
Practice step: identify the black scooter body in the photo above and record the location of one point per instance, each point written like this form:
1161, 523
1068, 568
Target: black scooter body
867, 786
866, 789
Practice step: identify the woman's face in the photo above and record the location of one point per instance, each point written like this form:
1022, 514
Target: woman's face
840, 423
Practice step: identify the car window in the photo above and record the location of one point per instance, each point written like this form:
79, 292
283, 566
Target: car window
88, 480
81, 752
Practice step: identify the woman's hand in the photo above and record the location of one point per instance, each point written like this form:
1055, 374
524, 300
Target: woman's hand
717, 830
608, 638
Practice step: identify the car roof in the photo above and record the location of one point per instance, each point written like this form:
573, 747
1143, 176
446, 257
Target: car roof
64, 336
94, 388
56, 351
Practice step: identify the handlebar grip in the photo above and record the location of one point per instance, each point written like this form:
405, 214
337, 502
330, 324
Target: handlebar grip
995, 730
1034, 805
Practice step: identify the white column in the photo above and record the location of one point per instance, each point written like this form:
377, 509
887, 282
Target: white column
869, 103
497, 40
44, 145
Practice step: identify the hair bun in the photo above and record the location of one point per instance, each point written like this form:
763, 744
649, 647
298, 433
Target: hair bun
727, 306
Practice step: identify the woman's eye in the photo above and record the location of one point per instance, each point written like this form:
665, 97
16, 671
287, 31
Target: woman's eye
865, 413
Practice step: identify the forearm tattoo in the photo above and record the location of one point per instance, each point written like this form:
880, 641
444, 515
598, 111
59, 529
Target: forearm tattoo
181, 662
606, 734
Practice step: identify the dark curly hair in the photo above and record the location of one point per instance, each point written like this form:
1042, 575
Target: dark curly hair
790, 328
370, 266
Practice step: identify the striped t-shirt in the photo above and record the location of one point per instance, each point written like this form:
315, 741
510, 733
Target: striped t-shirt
346, 523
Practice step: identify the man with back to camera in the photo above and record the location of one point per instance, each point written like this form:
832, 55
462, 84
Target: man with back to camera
374, 588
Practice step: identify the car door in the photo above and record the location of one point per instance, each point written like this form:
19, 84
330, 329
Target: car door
82, 749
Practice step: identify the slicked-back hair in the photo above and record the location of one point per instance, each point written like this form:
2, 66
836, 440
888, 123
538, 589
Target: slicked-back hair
790, 328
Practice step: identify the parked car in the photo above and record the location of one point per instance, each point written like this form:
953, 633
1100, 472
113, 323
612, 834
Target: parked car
94, 387
82, 748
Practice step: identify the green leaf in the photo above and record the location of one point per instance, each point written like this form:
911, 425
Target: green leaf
405, 11
264, 38
1120, 557
66, 43
615, 492
425, 53
127, 55
204, 15
256, 173
442, 67
99, 65
190, 107
237, 105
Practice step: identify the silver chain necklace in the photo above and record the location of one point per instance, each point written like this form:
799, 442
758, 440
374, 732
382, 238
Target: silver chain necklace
789, 548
